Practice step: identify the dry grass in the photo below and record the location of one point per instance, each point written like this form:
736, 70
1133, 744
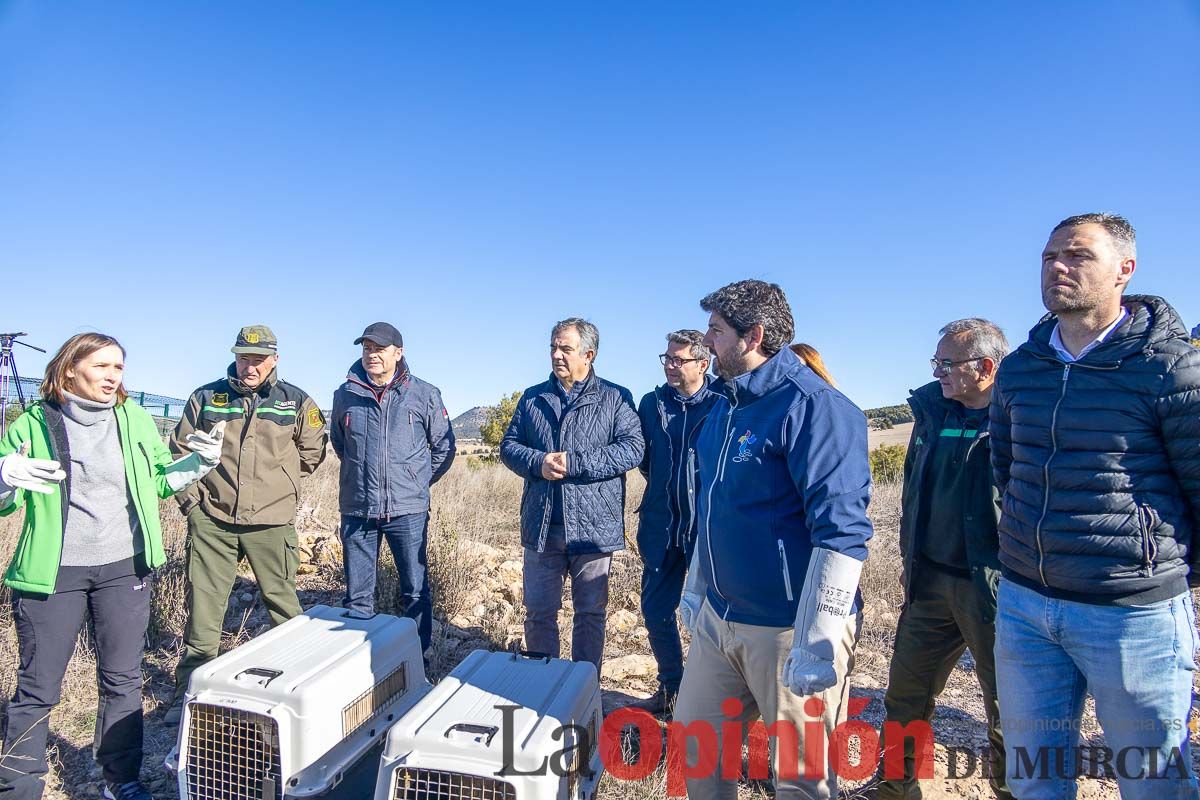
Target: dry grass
475, 509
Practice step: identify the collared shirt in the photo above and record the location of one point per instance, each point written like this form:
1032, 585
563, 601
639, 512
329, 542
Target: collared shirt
1057, 343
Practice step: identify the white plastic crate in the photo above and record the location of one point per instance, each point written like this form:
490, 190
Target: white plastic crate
290, 713
451, 745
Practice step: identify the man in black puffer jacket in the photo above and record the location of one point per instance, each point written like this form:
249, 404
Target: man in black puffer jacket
1095, 429
572, 439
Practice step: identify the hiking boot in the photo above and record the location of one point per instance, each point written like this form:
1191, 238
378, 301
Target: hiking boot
661, 703
133, 790
174, 712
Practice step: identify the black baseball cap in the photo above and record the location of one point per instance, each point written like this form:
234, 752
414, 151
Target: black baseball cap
382, 334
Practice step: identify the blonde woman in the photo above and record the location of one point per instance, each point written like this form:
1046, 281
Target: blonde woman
88, 466
810, 358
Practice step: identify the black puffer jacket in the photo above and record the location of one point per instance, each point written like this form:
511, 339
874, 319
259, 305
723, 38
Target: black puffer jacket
1098, 461
602, 438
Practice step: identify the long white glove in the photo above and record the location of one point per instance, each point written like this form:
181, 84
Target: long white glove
693, 591
207, 445
19, 471
829, 588
206, 454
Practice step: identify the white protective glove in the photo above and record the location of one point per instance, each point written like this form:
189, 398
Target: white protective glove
19, 471
693, 591
829, 588
206, 454
207, 445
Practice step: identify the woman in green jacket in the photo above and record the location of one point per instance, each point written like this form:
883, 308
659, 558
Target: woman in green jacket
88, 466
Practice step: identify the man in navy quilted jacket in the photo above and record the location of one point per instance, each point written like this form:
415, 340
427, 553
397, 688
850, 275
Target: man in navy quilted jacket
572, 438
1095, 428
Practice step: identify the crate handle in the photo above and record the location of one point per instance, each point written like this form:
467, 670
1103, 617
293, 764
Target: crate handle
261, 672
531, 654
474, 730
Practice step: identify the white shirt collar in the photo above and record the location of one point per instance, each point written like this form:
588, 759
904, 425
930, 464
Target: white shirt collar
1057, 343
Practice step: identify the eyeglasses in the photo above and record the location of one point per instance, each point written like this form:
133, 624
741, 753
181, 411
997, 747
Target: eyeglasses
945, 363
674, 362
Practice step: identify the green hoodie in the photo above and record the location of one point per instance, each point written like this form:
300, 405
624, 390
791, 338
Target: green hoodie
34, 565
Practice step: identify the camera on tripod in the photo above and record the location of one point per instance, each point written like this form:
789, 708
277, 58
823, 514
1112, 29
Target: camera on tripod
9, 374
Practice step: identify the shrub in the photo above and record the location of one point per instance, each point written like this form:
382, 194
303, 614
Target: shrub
887, 463
496, 419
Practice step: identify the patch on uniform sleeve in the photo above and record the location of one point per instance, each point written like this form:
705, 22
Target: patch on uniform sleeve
220, 399
315, 420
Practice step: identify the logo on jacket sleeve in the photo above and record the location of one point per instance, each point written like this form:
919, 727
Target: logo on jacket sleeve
315, 420
220, 399
744, 442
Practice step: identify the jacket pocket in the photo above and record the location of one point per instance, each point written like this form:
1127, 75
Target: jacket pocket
783, 567
1146, 525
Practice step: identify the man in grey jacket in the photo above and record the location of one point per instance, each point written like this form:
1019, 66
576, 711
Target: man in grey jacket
572, 438
392, 434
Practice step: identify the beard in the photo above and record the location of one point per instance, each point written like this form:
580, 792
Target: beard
1058, 301
730, 365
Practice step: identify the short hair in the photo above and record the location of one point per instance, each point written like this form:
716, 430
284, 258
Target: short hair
693, 338
55, 383
984, 338
747, 303
589, 334
1123, 236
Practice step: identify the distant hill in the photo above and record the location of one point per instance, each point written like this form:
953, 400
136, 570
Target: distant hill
466, 425
895, 415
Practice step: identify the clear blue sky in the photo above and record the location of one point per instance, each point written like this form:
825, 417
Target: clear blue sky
472, 172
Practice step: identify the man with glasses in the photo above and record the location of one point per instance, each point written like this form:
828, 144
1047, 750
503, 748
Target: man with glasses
948, 547
671, 416
1095, 425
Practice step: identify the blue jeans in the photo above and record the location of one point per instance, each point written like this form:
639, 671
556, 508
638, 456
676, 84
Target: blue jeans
406, 536
1137, 662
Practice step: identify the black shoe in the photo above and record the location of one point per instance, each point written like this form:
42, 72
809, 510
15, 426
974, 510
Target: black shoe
174, 712
661, 703
133, 790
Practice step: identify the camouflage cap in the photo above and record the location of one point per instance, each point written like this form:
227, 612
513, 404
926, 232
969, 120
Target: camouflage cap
257, 340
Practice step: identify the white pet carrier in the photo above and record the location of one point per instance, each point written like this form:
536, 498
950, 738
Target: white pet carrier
459, 743
290, 713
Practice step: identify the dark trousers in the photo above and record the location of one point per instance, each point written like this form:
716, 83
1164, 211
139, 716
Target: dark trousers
946, 615
543, 575
407, 537
662, 586
214, 550
118, 600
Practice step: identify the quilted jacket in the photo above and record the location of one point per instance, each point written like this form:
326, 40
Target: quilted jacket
1098, 461
602, 437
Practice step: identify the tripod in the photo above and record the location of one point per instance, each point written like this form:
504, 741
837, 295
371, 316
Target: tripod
8, 367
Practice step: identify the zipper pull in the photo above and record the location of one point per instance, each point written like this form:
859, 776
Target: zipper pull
1066, 372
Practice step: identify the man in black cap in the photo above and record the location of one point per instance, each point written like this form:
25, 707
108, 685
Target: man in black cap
392, 433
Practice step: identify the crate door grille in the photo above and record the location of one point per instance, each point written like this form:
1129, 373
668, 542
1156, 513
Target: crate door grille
232, 755
434, 784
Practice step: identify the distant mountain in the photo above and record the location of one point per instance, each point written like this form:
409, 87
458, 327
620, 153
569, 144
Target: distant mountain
466, 425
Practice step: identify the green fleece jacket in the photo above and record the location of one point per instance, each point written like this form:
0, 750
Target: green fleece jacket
34, 565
